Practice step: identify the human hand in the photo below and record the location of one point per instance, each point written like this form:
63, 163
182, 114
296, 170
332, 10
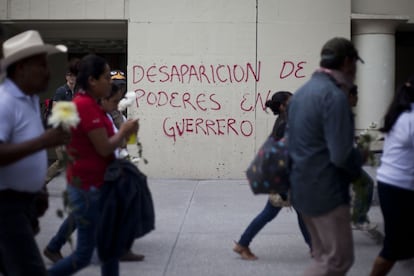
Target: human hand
129, 127
53, 137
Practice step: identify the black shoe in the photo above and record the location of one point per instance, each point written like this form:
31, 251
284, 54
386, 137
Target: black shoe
132, 257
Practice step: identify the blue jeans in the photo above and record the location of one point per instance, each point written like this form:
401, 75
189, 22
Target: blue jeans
86, 213
63, 234
269, 212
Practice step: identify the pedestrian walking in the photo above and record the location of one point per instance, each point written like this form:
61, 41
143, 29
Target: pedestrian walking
23, 157
92, 150
324, 159
278, 104
395, 178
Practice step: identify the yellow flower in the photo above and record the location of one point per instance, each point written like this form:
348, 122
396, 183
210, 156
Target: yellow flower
64, 114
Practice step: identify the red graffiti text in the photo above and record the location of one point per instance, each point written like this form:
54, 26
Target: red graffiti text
289, 68
197, 102
184, 73
249, 102
207, 127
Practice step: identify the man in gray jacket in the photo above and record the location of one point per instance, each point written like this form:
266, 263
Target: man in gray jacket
324, 160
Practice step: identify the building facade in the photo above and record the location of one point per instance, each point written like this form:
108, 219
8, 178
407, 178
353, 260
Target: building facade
202, 70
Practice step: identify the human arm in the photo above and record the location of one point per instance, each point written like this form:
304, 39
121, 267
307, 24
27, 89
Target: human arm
339, 130
105, 145
12, 152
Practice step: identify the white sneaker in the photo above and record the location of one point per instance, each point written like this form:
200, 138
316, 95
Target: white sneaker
365, 226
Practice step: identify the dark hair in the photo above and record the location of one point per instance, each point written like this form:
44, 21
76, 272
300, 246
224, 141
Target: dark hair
354, 90
278, 99
115, 89
90, 66
401, 102
73, 66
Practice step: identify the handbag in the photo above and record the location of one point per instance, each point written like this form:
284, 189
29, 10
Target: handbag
269, 170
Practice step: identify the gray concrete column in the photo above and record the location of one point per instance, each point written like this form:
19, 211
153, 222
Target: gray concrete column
374, 37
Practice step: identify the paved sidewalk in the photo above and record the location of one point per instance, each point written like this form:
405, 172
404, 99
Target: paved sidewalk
196, 223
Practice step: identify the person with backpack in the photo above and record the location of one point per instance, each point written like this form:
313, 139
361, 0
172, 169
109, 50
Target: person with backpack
278, 105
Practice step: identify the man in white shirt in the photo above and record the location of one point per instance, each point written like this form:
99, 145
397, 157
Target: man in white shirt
23, 158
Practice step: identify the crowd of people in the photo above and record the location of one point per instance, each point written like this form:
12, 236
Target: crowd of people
326, 161
91, 147
317, 120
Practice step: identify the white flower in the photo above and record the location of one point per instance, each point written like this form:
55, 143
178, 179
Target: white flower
364, 141
64, 114
127, 101
124, 103
130, 95
123, 153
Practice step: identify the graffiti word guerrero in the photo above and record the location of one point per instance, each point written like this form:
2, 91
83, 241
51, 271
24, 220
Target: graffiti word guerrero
208, 127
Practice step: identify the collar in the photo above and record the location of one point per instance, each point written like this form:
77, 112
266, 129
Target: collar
13, 90
340, 79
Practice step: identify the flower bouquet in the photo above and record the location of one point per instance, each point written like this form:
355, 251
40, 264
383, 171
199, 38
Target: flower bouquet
65, 115
364, 141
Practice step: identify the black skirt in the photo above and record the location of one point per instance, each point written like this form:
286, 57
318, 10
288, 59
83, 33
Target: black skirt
397, 206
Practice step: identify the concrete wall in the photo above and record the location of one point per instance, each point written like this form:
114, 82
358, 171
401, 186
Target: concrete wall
197, 119
202, 70
63, 9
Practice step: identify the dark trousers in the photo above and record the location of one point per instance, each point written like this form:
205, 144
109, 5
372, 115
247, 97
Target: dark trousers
269, 213
19, 254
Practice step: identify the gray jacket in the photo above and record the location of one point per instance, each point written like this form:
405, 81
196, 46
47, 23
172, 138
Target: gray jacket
320, 135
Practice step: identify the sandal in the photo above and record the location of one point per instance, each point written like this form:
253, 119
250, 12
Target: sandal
244, 252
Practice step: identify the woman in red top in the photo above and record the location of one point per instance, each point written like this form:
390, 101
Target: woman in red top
92, 149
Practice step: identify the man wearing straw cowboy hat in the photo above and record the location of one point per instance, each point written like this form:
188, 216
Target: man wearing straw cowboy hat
23, 143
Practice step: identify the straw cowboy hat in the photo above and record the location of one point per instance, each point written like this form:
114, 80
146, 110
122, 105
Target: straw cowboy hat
26, 44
